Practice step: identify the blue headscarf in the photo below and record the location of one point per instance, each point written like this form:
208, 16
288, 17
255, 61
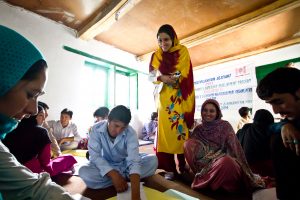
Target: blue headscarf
17, 55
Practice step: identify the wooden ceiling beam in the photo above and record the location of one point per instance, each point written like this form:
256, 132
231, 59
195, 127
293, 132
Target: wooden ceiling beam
234, 24
104, 20
251, 53
240, 22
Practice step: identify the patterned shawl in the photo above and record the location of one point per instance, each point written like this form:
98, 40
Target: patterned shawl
178, 59
218, 139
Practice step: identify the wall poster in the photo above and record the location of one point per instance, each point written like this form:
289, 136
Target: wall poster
231, 86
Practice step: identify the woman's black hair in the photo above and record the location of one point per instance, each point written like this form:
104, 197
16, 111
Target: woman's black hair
168, 29
34, 70
43, 104
263, 117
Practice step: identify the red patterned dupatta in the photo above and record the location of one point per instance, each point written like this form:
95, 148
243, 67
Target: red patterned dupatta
216, 139
178, 59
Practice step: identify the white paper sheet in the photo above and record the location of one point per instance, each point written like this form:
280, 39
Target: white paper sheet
127, 194
80, 197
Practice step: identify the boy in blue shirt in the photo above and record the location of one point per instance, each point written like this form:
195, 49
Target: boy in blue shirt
114, 155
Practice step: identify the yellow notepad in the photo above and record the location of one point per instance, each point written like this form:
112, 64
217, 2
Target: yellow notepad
76, 152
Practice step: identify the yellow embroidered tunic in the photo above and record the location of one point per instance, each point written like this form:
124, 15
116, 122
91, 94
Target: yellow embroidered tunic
175, 103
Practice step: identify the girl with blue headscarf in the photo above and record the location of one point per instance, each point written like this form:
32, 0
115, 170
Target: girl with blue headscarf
23, 77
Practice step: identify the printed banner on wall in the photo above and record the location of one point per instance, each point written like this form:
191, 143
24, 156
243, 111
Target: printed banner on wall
231, 87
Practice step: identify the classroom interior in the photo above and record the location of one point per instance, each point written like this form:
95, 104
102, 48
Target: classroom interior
98, 54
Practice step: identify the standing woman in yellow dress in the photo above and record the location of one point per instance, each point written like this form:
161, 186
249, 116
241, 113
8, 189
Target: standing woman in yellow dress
171, 70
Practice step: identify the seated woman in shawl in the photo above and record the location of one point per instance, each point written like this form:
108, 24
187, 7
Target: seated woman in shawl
30, 144
255, 140
215, 155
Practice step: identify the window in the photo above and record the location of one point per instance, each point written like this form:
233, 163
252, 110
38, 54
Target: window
106, 83
95, 85
111, 85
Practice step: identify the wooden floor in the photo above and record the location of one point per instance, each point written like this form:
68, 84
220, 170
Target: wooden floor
147, 149
181, 186
75, 184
